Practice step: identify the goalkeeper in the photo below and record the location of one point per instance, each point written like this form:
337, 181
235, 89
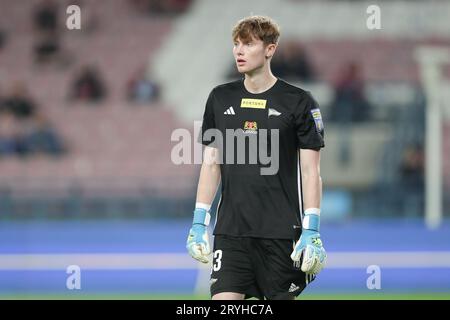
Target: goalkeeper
267, 242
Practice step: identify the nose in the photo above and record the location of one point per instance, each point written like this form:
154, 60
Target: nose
238, 50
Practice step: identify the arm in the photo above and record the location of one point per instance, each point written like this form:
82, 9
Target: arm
198, 242
311, 180
209, 177
309, 249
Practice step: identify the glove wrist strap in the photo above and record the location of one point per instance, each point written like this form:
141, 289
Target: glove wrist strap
201, 216
311, 220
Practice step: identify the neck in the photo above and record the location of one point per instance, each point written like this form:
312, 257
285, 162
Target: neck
259, 80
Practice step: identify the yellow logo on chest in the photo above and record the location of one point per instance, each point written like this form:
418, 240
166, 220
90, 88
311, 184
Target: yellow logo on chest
253, 103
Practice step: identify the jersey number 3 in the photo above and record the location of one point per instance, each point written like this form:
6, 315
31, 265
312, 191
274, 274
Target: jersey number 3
217, 260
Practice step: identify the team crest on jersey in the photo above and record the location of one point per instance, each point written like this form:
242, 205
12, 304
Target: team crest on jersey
250, 127
317, 116
253, 103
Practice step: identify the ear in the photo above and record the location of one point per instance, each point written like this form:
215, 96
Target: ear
270, 50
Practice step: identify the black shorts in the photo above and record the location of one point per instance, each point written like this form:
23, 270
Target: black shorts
256, 267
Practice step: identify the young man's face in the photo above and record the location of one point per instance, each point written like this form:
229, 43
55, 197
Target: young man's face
250, 55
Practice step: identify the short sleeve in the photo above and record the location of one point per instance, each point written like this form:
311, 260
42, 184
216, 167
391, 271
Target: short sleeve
208, 121
309, 124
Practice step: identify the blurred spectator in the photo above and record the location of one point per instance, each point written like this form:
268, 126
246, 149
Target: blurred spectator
40, 138
23, 130
18, 102
160, 7
178, 6
2, 39
47, 47
291, 62
141, 89
412, 180
141, 5
88, 86
27, 137
9, 133
412, 166
350, 104
47, 43
46, 16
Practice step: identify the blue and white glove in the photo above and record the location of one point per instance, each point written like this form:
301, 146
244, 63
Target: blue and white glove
197, 242
308, 248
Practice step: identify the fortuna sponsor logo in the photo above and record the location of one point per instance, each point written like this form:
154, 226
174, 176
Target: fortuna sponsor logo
230, 111
253, 103
273, 112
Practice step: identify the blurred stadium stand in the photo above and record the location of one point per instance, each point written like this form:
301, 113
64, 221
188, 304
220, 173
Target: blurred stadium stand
117, 148
117, 163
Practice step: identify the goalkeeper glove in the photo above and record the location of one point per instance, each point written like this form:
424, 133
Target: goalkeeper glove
308, 248
197, 242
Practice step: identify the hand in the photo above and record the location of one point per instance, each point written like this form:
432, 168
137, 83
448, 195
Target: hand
309, 248
197, 242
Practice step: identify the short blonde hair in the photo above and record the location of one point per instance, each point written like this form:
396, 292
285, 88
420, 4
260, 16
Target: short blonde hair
259, 27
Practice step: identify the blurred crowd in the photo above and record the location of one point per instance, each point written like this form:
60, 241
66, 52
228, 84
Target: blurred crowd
28, 129
160, 7
25, 129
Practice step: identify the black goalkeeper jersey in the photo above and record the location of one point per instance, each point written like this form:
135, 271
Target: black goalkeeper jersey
253, 204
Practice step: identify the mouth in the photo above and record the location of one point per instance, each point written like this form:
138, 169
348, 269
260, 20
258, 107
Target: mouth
240, 61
